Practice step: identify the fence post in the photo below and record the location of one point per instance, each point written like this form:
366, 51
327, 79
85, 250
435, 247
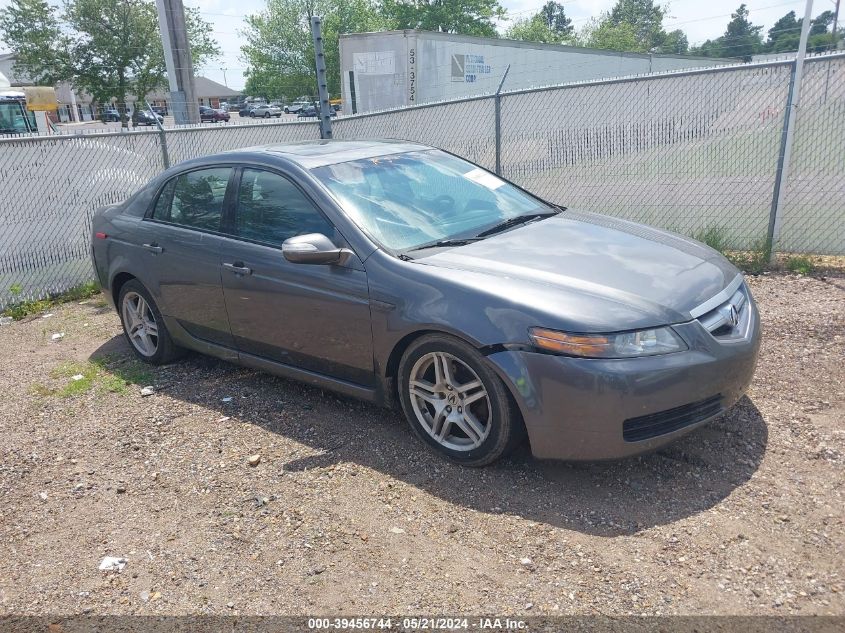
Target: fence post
322, 85
792, 101
162, 137
498, 103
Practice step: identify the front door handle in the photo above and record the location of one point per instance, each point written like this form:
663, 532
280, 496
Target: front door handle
153, 248
238, 268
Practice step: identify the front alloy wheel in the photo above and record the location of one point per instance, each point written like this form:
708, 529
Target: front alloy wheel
450, 401
455, 402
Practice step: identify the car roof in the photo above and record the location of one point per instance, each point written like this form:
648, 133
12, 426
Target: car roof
311, 154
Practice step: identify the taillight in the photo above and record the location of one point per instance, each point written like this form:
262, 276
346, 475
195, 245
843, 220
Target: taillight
100, 236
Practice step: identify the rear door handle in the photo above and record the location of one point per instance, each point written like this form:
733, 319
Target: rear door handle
238, 268
153, 248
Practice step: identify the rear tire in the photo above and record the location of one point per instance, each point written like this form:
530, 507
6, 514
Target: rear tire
456, 403
144, 326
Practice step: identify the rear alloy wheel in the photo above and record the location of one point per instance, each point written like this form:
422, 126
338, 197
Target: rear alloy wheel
456, 403
141, 327
144, 326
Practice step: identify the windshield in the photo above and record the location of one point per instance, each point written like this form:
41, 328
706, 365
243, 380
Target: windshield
407, 200
14, 119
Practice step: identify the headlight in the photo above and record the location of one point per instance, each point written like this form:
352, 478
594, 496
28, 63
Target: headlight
652, 342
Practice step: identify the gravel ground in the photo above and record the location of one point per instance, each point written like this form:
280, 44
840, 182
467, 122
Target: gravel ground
347, 513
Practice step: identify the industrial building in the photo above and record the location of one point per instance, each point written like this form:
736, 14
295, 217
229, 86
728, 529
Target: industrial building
392, 69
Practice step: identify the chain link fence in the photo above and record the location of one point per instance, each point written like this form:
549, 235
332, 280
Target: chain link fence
693, 151
688, 153
465, 128
814, 191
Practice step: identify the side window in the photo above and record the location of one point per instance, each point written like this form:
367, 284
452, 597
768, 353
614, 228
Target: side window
271, 209
194, 199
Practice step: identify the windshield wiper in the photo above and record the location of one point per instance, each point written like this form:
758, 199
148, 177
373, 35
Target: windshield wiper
516, 221
454, 242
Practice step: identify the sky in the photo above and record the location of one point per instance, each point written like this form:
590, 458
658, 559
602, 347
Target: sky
699, 19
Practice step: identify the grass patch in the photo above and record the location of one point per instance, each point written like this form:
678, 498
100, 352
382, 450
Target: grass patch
800, 264
128, 370
105, 375
22, 309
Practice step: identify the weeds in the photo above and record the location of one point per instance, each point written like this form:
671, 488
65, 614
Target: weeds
106, 375
715, 237
22, 309
800, 264
753, 261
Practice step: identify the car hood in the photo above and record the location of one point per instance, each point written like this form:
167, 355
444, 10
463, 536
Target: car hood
656, 275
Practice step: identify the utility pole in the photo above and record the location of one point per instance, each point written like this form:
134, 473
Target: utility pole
835, 24
322, 81
177, 58
225, 83
792, 103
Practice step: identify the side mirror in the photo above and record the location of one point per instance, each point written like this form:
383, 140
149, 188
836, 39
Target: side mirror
313, 248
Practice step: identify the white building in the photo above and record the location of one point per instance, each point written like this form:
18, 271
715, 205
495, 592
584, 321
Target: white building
398, 68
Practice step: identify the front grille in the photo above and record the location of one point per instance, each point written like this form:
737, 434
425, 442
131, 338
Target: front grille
731, 319
655, 424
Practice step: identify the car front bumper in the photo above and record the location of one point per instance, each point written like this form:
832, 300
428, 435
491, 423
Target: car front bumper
577, 408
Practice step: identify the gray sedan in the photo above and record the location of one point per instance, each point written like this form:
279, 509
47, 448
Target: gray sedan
402, 274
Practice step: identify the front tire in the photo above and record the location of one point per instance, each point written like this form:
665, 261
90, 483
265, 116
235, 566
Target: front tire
144, 326
456, 403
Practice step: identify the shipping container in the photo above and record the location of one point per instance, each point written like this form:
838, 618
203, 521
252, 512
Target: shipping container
392, 69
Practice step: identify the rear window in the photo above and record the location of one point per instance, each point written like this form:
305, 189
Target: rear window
194, 199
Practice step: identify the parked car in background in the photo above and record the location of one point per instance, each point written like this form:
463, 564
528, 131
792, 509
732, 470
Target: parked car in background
245, 110
265, 111
110, 115
213, 115
335, 104
160, 110
313, 111
296, 106
145, 117
399, 273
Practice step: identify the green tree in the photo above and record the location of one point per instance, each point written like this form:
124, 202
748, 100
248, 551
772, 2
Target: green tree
675, 42
634, 26
603, 33
821, 33
550, 25
467, 17
31, 28
554, 17
741, 38
108, 48
279, 49
646, 19
785, 34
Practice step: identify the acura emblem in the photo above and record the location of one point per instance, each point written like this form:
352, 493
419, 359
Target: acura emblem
731, 314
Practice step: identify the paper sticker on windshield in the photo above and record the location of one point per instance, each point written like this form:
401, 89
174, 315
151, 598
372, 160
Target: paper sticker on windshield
484, 179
